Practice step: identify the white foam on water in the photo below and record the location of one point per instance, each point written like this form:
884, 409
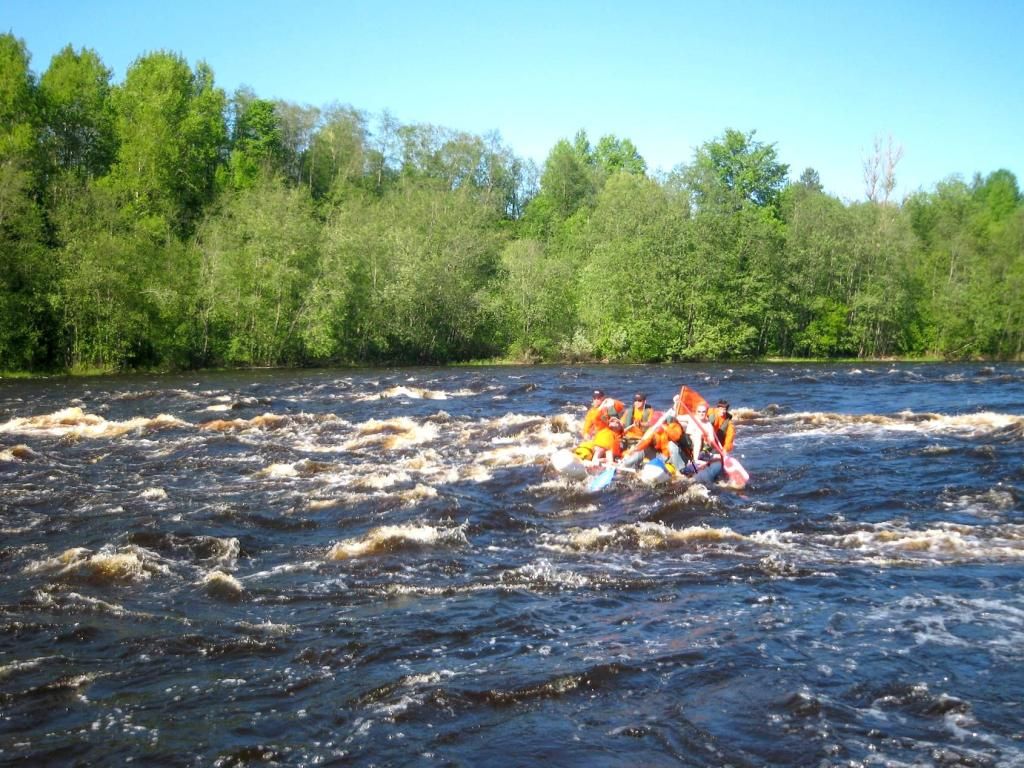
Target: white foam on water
265, 421
812, 423
991, 503
391, 434
640, 536
543, 574
268, 627
24, 665
278, 471
108, 566
219, 584
996, 626
285, 568
415, 393
387, 538
76, 423
18, 453
896, 543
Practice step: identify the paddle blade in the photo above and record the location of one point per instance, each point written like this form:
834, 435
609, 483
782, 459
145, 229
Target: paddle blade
690, 399
602, 480
737, 475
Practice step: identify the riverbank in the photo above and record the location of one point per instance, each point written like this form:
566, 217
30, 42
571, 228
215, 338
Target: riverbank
489, 362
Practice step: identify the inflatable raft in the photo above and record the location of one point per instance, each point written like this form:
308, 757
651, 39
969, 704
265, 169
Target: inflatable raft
569, 465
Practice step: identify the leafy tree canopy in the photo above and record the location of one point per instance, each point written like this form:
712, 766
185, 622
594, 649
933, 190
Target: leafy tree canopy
734, 170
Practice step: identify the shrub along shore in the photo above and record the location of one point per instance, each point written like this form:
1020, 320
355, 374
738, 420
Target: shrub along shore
162, 224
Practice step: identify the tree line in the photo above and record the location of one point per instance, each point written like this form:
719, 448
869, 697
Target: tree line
160, 223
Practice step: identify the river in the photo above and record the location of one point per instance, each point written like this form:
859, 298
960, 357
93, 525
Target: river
380, 568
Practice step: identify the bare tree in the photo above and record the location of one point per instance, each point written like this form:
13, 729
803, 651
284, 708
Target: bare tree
880, 169
893, 154
872, 172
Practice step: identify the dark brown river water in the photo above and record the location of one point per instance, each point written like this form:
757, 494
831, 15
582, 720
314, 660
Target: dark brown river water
381, 568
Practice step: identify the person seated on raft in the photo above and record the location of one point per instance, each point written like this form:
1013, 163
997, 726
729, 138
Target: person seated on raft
698, 430
721, 419
637, 419
602, 409
606, 444
669, 440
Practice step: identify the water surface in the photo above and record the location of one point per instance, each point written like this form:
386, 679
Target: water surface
379, 567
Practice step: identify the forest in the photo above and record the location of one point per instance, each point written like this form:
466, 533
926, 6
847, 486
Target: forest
160, 223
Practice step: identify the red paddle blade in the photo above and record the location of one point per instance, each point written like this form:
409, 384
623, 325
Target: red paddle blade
735, 471
690, 398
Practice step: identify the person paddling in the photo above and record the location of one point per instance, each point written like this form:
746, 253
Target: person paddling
602, 409
721, 419
606, 444
637, 419
697, 438
667, 440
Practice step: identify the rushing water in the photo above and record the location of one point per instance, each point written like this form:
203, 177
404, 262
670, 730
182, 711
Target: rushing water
380, 568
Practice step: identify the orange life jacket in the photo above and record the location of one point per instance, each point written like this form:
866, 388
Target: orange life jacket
669, 432
598, 416
724, 430
637, 420
606, 438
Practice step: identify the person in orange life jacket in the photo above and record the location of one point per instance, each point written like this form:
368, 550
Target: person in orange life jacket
721, 419
601, 410
665, 441
637, 418
606, 444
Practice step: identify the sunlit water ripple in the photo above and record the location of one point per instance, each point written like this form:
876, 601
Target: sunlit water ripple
380, 567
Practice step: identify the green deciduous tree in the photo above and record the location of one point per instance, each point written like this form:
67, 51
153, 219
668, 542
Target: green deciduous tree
337, 158
298, 125
969, 257
256, 145
26, 274
532, 300
419, 264
613, 155
124, 284
733, 170
635, 287
883, 308
567, 182
819, 264
477, 165
78, 113
257, 259
171, 132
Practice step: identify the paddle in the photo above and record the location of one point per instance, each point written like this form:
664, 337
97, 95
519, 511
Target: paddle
652, 429
604, 479
601, 481
735, 471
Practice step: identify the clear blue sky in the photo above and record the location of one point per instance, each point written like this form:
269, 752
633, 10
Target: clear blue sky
819, 79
